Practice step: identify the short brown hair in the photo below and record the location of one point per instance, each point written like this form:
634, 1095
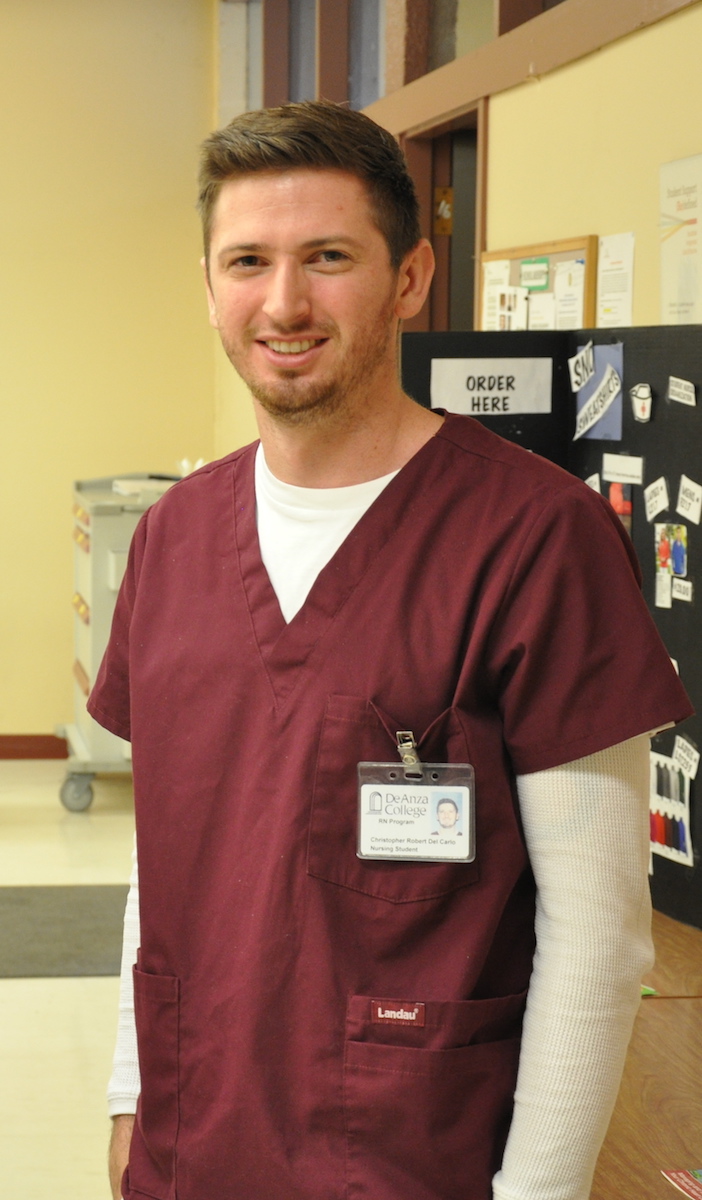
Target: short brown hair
320, 135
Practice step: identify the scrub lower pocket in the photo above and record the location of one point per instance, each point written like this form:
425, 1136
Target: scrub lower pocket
427, 1123
152, 1154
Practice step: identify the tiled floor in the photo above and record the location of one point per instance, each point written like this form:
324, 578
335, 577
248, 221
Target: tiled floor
56, 1035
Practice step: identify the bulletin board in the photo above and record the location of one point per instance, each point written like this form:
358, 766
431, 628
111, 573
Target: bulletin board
644, 454
669, 447
537, 268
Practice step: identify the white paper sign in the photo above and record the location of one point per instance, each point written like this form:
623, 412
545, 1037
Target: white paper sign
656, 498
664, 591
622, 468
569, 292
682, 589
593, 481
601, 399
680, 210
581, 367
542, 311
615, 273
497, 387
689, 500
681, 390
686, 757
534, 274
495, 284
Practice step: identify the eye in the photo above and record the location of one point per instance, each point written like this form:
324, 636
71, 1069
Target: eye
330, 258
246, 261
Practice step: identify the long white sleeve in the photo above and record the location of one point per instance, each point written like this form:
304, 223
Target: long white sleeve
586, 826
125, 1083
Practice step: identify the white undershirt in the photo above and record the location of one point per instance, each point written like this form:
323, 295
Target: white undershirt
300, 529
586, 826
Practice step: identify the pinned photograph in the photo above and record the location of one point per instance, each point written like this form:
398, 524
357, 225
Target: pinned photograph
669, 810
662, 535
671, 549
620, 499
678, 550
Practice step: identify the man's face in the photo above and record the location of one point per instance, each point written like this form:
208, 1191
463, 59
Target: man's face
302, 292
447, 815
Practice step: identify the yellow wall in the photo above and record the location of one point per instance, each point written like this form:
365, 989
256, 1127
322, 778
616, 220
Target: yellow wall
234, 420
235, 424
107, 363
106, 358
578, 151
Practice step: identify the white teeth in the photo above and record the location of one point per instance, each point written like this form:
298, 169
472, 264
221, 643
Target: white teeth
292, 347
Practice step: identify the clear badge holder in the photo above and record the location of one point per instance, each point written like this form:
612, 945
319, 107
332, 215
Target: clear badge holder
410, 811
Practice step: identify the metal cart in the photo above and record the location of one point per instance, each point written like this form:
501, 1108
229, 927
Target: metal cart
104, 521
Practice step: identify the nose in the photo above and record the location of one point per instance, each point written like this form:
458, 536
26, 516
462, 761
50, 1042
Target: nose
287, 301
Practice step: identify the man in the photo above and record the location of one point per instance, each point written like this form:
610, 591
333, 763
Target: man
447, 817
313, 1024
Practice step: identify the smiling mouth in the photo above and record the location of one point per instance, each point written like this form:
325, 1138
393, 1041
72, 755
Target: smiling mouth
294, 347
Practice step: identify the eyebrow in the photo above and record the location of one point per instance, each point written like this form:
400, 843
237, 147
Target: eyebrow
312, 244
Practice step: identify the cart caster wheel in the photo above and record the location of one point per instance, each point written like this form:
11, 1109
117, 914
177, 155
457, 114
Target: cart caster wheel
76, 792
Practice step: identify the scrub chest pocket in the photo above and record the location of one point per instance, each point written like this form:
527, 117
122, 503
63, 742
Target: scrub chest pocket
355, 730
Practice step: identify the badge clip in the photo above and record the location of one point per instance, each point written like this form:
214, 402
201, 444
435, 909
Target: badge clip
407, 748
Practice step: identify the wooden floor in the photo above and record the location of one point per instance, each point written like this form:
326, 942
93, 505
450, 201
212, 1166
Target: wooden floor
657, 1122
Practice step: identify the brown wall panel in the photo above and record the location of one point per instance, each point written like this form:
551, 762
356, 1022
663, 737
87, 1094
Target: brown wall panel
276, 49
333, 50
511, 13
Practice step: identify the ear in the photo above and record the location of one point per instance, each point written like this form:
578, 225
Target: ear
414, 278
211, 303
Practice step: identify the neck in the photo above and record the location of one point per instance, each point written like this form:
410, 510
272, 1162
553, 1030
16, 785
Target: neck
339, 453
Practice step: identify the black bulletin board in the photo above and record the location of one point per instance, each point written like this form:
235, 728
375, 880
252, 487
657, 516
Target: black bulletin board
671, 445
546, 434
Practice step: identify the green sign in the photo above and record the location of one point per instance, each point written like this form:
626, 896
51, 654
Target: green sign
534, 274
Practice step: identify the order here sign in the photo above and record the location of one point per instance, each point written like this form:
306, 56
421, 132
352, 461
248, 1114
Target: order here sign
495, 387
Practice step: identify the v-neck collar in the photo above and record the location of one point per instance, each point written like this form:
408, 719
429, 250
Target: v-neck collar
290, 650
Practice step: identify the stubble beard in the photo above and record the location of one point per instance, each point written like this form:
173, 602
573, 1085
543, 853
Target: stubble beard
295, 401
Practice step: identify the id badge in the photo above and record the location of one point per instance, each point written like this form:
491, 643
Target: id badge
414, 811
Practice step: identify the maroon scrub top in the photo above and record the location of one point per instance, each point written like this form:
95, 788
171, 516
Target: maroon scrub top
489, 602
